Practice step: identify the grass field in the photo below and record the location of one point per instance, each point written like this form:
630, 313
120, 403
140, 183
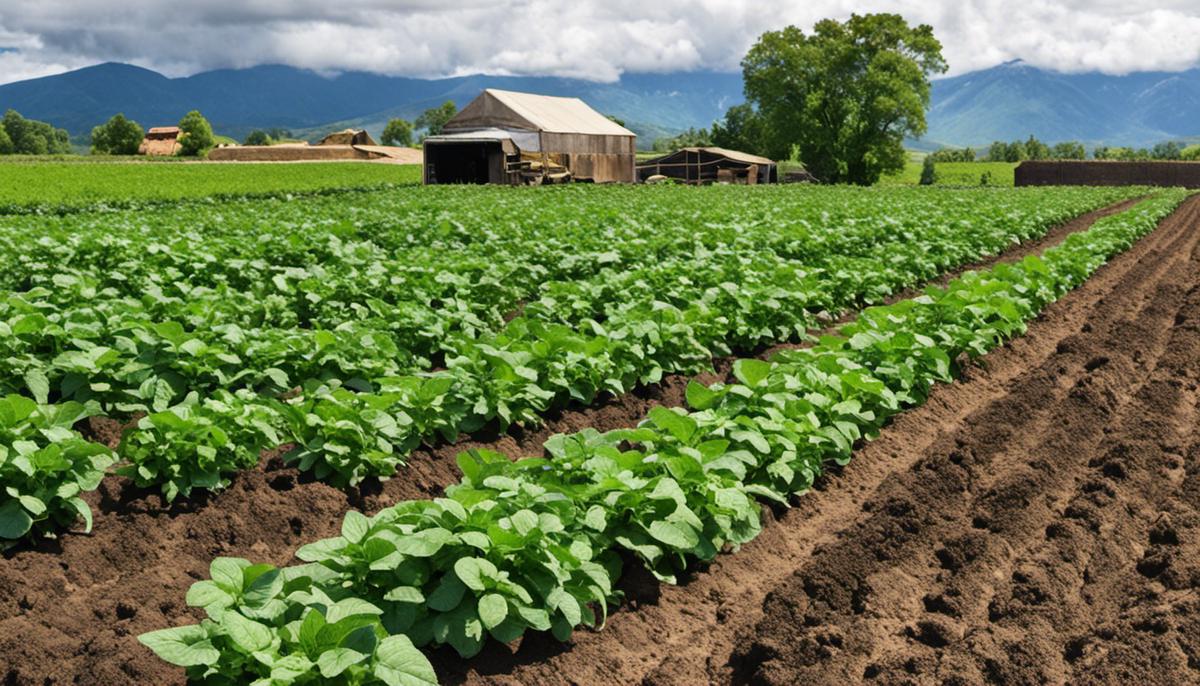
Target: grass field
954, 173
71, 185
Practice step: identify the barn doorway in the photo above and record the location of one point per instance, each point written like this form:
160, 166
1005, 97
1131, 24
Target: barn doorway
472, 162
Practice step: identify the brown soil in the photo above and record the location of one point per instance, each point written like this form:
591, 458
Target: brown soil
70, 609
1037, 522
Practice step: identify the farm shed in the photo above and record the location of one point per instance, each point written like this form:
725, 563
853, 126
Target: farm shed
160, 141
711, 165
514, 138
1107, 173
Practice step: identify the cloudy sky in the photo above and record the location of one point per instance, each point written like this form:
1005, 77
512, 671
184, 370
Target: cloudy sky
582, 38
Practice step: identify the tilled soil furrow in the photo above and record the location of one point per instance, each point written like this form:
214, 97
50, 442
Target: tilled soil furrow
686, 634
921, 569
966, 600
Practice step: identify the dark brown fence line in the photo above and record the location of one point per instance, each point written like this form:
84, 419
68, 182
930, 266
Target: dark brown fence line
1066, 173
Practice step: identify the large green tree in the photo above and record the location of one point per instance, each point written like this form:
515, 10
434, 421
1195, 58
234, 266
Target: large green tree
32, 137
434, 118
397, 132
846, 95
741, 129
117, 136
195, 134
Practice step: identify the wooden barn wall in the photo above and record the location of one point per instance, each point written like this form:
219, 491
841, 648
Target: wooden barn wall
603, 168
1063, 173
582, 143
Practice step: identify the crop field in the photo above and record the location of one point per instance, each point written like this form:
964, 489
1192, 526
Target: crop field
346, 429
56, 187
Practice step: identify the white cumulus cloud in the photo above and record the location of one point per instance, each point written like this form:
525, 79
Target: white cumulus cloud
594, 40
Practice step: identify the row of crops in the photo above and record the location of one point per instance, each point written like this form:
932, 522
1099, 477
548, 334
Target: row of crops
355, 329
36, 186
537, 544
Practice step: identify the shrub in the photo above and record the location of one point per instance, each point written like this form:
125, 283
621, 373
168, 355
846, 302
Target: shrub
928, 171
196, 135
117, 136
398, 132
258, 137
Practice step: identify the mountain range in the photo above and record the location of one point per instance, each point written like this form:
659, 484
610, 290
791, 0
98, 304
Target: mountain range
1010, 101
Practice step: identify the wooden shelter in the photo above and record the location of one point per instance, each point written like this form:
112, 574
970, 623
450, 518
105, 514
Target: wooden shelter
711, 165
160, 141
513, 138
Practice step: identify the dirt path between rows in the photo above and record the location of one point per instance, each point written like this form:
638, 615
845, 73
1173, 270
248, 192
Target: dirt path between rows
70, 610
1037, 522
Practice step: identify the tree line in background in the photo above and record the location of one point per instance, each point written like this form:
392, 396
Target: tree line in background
21, 136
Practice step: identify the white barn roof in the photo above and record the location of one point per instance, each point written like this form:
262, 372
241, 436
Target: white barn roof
524, 111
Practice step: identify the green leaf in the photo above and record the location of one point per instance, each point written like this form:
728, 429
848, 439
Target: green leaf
751, 372
448, 594
84, 511
425, 543
35, 506
675, 534
248, 634
206, 593
15, 522
700, 397
678, 425
185, 646
473, 571
355, 527
399, 663
334, 662
310, 631
226, 572
493, 609
39, 385
596, 518
405, 594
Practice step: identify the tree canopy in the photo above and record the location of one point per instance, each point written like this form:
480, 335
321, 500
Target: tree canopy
117, 136
435, 118
846, 95
258, 137
398, 132
32, 137
742, 129
195, 134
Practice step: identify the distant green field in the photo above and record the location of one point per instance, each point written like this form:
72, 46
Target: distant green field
65, 186
954, 173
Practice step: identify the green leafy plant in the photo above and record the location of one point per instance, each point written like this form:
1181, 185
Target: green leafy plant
44, 467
